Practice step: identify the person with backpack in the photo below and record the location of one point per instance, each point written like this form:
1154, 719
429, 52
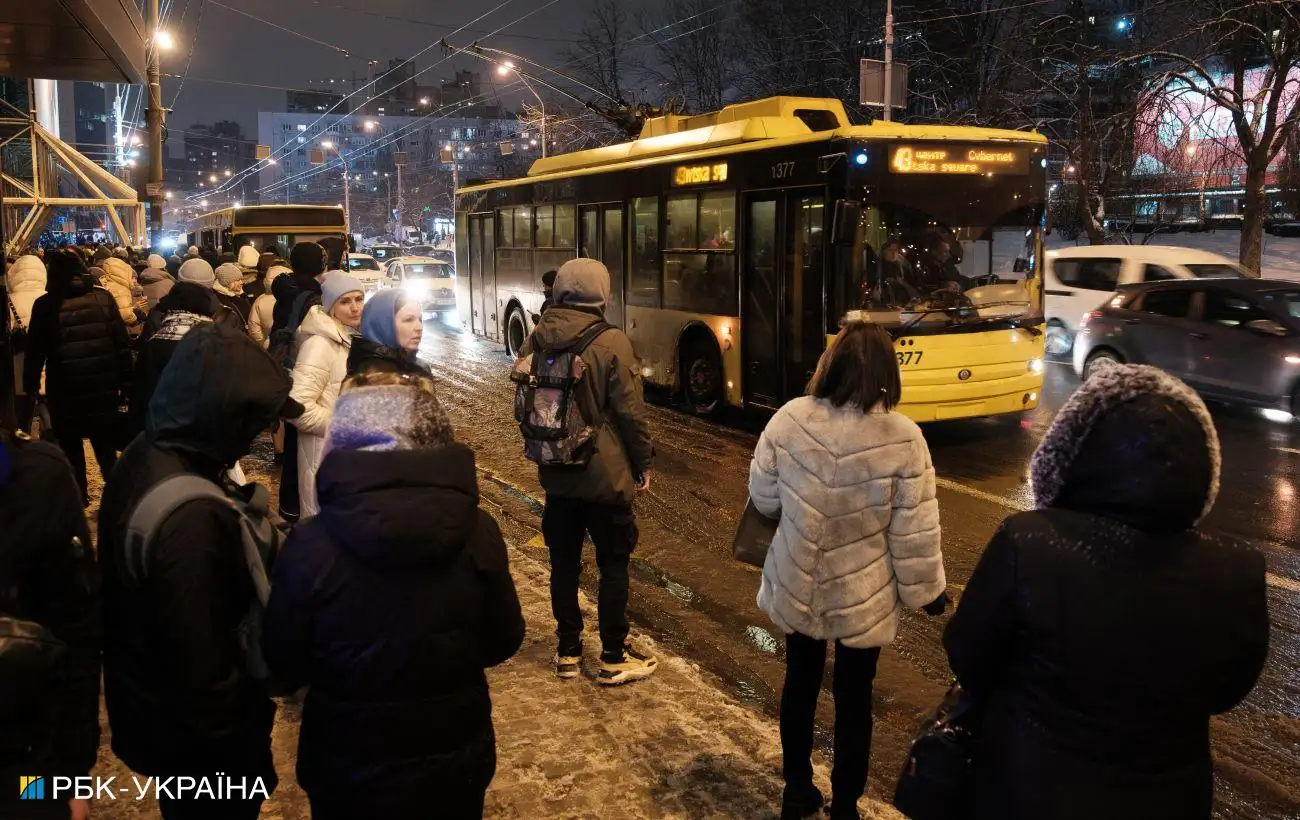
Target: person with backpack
78, 340
389, 605
50, 631
392, 328
181, 688
325, 336
294, 294
592, 475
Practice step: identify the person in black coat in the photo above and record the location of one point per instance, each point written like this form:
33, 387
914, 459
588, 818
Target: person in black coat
180, 701
390, 604
1101, 631
48, 575
184, 307
77, 336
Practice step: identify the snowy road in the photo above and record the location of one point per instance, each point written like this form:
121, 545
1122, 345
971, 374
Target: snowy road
689, 592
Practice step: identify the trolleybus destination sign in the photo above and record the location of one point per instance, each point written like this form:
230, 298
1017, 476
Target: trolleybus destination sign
958, 159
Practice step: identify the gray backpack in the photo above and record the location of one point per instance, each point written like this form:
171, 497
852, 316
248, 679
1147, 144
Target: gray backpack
260, 541
556, 434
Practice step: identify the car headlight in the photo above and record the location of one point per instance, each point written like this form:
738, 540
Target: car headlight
417, 288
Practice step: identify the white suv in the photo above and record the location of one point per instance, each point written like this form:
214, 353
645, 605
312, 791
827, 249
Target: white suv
1081, 279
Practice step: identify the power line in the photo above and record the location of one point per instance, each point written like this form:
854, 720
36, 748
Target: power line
198, 24
400, 19
294, 32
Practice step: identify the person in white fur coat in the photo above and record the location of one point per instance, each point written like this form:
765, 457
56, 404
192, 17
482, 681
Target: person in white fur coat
853, 486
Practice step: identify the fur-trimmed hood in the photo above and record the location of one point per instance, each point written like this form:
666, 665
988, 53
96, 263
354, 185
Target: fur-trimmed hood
1133, 444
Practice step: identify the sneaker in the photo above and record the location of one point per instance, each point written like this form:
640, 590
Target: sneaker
630, 667
567, 667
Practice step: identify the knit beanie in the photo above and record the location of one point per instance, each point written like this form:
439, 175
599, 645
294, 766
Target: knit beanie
582, 283
156, 261
388, 412
307, 259
248, 256
199, 272
335, 284
228, 274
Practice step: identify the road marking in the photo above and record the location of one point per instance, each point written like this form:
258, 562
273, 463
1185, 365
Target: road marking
1274, 580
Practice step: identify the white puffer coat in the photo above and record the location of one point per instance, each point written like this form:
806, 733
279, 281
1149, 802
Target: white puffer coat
859, 523
262, 317
317, 376
25, 280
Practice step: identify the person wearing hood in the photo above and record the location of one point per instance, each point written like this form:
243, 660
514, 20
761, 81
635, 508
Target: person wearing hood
180, 700
24, 283
155, 281
262, 316
174, 263
187, 306
119, 280
392, 626
392, 328
1101, 631
229, 288
324, 338
596, 499
248, 259
78, 340
200, 273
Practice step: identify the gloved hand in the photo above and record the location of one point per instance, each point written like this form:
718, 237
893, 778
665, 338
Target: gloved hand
938, 606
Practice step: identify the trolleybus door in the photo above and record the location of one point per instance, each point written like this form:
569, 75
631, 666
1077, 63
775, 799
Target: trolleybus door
482, 276
600, 236
782, 312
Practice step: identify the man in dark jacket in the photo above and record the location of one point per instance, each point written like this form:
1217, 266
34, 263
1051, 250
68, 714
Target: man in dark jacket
186, 306
1101, 631
77, 337
180, 702
47, 575
596, 499
392, 625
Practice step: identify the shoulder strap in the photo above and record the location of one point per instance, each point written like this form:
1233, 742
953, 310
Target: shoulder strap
590, 335
13, 311
300, 307
155, 507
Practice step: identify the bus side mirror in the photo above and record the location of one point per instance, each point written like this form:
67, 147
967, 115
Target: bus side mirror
848, 215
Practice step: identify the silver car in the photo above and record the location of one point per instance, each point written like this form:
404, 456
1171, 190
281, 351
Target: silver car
1235, 340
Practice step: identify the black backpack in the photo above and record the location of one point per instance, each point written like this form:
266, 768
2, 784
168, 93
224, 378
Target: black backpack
281, 346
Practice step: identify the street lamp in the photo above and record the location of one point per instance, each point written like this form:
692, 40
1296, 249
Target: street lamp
227, 172
370, 125
504, 70
212, 178
424, 101
164, 40
203, 202
329, 145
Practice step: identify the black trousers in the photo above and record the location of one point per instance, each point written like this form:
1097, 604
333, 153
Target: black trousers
855, 671
565, 523
289, 475
102, 442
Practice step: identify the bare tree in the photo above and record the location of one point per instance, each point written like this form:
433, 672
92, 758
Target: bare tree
693, 54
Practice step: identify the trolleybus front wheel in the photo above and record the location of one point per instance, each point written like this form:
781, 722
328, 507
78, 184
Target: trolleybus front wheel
701, 376
516, 332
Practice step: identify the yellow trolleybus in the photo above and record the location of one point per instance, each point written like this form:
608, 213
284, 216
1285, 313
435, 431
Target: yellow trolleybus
738, 242
268, 226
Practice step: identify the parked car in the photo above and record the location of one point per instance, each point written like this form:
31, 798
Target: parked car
1235, 340
1079, 279
385, 253
433, 282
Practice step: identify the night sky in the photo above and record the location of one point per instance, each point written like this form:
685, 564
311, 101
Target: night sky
234, 48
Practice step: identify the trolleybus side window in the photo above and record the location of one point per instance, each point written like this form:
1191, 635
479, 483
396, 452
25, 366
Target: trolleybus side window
700, 268
545, 222
564, 226
643, 283
523, 227
505, 229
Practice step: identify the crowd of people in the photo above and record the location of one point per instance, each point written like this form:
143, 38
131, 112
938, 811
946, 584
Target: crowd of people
1097, 635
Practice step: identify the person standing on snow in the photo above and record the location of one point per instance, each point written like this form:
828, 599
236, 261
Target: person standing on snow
155, 281
119, 280
184, 308
392, 626
1100, 631
25, 281
853, 487
392, 328
262, 317
180, 700
596, 499
324, 338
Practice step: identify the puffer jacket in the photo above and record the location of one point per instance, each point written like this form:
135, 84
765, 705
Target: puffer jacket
318, 373
156, 283
25, 281
1101, 631
392, 626
119, 280
262, 317
612, 392
859, 523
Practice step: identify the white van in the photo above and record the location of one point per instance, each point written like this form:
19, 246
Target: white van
1081, 279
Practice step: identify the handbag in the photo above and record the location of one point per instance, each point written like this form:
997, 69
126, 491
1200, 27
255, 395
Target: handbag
17, 333
753, 536
937, 775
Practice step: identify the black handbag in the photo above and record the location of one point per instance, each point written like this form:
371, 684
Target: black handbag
937, 774
753, 536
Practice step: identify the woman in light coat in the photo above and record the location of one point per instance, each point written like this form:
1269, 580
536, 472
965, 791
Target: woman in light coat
262, 318
25, 283
119, 280
852, 484
324, 339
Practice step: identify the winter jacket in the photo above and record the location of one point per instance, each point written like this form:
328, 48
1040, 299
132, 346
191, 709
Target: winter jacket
47, 562
367, 356
611, 392
392, 626
186, 307
318, 373
241, 307
286, 290
1101, 631
262, 316
179, 700
82, 344
25, 281
119, 280
859, 524
156, 284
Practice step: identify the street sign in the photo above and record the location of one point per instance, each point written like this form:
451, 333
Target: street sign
507, 148
317, 157
871, 77
446, 155
399, 158
263, 152
153, 189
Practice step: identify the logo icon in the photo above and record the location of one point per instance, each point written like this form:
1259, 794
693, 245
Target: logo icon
963, 375
31, 788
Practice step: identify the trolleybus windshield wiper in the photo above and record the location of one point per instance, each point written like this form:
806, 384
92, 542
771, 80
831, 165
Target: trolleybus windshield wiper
911, 323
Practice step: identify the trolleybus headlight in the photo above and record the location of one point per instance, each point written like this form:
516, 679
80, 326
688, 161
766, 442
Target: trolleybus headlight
1035, 366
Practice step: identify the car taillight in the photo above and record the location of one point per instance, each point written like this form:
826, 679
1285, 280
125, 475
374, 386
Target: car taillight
1088, 317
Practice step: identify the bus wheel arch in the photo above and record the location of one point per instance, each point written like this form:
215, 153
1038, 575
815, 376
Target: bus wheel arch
700, 371
514, 328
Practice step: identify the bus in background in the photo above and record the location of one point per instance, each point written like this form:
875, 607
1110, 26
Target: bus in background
738, 242
269, 227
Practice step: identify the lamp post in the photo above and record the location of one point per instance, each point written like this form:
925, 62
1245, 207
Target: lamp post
154, 116
504, 70
328, 145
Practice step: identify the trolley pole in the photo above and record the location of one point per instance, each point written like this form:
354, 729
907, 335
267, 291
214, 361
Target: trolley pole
889, 59
154, 120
